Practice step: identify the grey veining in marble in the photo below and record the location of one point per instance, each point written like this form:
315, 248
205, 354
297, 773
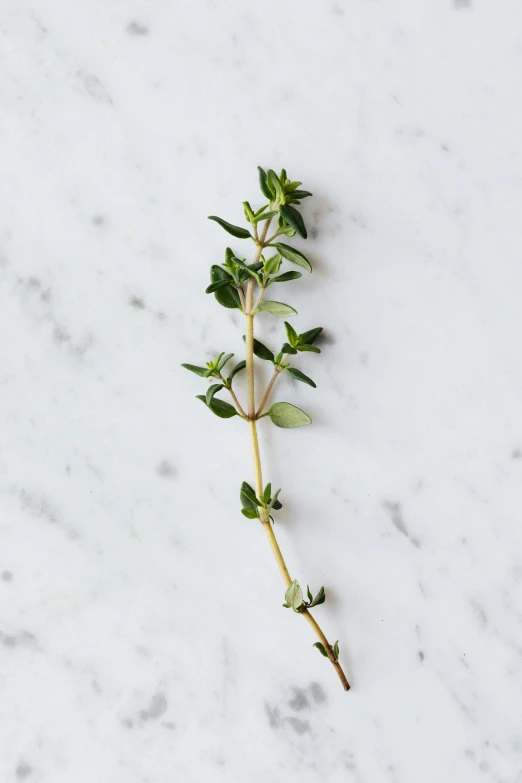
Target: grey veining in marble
141, 634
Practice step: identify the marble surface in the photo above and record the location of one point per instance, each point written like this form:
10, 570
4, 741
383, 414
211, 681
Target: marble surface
142, 638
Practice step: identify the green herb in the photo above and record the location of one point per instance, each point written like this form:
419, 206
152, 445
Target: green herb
241, 285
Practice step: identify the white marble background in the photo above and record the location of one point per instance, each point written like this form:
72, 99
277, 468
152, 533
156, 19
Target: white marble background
141, 634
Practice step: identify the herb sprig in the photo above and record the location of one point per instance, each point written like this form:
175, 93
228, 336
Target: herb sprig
238, 284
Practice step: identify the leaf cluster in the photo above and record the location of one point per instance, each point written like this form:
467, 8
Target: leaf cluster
253, 505
213, 369
295, 599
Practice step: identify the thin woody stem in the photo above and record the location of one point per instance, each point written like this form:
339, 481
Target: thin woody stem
273, 379
277, 233
252, 416
234, 397
267, 393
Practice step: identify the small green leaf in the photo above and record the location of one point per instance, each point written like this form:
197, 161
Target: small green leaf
293, 255
211, 391
300, 194
283, 414
308, 348
221, 408
274, 184
285, 277
201, 371
300, 376
279, 309
265, 190
274, 502
223, 360
272, 264
216, 286
239, 366
287, 348
308, 592
309, 337
321, 649
289, 186
336, 651
236, 231
294, 596
291, 334
249, 212
248, 497
264, 216
320, 598
261, 351
294, 219
267, 494
248, 269
287, 606
249, 514
227, 297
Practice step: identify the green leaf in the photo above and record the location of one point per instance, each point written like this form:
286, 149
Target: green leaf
285, 277
310, 336
249, 212
248, 497
321, 649
308, 592
223, 360
272, 264
211, 391
275, 185
294, 596
320, 598
287, 606
248, 269
201, 371
292, 186
287, 348
309, 348
294, 219
239, 366
236, 231
283, 414
221, 408
249, 514
299, 194
217, 286
227, 297
291, 334
261, 351
265, 190
274, 502
279, 309
300, 376
293, 255
264, 216
267, 494
336, 650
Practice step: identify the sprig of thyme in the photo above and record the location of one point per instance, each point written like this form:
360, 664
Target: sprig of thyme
241, 285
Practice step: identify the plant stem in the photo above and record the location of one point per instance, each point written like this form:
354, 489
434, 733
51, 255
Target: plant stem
267, 393
252, 416
234, 397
